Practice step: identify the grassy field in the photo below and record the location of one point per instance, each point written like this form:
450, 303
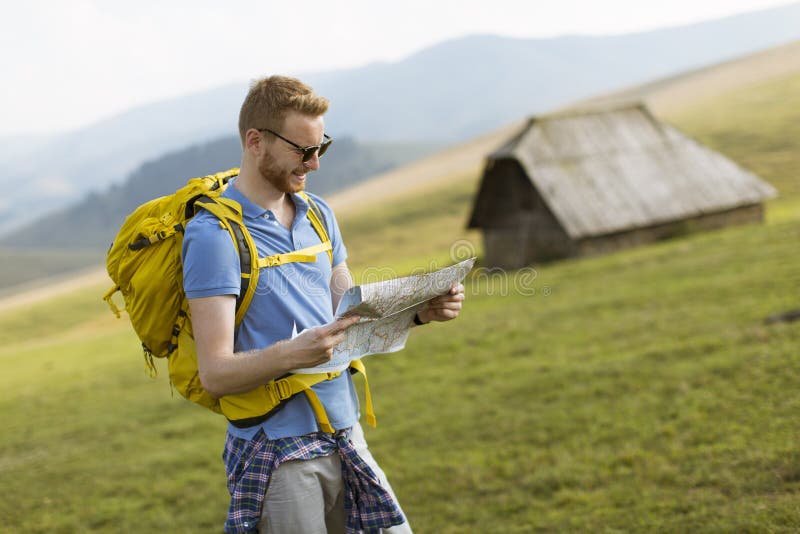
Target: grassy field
635, 392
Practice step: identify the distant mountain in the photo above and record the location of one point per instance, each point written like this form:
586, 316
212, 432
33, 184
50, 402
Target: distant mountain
49, 172
93, 222
444, 94
461, 88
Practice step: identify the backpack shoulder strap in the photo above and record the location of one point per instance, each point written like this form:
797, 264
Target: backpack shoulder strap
318, 221
229, 214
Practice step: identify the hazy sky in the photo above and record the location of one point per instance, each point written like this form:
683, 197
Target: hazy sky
69, 63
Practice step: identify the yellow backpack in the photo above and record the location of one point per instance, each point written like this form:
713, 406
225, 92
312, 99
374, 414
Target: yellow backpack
144, 262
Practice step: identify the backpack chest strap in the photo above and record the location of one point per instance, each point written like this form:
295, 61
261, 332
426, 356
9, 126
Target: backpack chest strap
304, 255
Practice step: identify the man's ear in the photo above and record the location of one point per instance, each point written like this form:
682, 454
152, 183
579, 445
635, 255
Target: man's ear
253, 141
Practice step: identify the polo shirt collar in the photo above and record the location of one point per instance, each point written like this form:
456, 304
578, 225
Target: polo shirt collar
251, 210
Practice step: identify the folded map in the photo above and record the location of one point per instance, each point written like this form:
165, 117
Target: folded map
387, 312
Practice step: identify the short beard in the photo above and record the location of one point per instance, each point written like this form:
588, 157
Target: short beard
279, 179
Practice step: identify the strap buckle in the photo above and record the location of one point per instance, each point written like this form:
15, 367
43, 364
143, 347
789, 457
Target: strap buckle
271, 261
282, 389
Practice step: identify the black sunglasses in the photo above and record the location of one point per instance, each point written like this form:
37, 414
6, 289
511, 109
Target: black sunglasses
307, 151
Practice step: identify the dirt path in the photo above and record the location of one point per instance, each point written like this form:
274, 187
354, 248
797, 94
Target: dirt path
48, 288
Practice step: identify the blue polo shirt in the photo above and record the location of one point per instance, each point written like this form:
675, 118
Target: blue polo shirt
289, 298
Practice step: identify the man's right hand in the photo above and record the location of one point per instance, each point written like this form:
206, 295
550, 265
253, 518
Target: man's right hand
315, 346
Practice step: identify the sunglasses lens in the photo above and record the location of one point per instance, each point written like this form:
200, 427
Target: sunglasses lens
324, 147
309, 152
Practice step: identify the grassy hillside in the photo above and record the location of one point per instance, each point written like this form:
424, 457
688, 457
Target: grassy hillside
635, 392
757, 125
672, 93
19, 266
638, 391
423, 232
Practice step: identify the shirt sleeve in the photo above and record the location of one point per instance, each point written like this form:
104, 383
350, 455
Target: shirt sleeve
210, 262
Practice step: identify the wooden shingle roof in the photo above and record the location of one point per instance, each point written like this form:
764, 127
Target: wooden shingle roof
613, 170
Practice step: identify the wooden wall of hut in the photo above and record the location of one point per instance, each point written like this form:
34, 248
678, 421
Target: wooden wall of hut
641, 236
518, 227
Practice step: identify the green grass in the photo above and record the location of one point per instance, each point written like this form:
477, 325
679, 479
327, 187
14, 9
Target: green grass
89, 443
57, 316
638, 391
425, 232
643, 393
634, 392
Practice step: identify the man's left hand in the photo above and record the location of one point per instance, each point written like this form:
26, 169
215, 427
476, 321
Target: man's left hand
444, 307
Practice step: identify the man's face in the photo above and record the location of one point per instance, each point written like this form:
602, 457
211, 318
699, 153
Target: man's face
280, 163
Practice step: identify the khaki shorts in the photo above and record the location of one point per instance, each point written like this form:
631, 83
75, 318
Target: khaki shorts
307, 496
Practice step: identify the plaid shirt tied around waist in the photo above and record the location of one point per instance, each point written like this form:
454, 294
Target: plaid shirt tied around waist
250, 463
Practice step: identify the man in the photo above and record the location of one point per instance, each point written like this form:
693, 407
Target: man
284, 474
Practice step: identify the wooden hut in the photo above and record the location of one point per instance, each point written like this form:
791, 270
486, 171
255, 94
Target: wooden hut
585, 182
